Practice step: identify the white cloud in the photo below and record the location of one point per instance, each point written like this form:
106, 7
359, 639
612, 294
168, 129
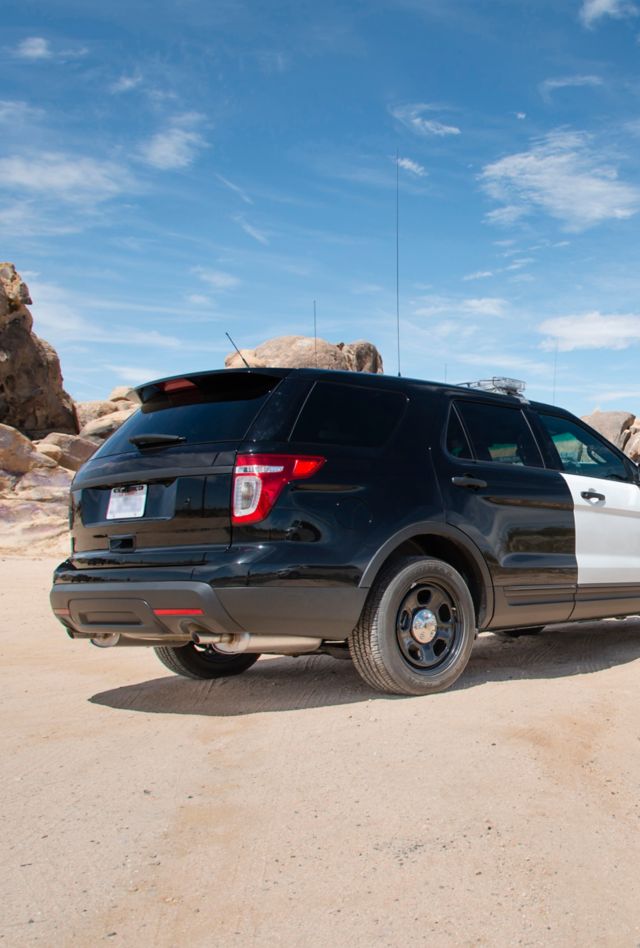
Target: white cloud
73, 178
217, 278
482, 306
593, 10
252, 231
15, 112
34, 47
411, 116
235, 188
562, 176
134, 374
197, 299
503, 362
478, 275
412, 166
176, 145
521, 115
568, 82
125, 83
56, 319
593, 330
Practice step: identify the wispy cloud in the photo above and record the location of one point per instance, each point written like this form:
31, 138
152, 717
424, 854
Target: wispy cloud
134, 374
16, 112
568, 82
592, 330
252, 231
126, 83
176, 145
508, 362
55, 318
478, 275
216, 278
34, 47
73, 178
242, 194
593, 10
412, 117
407, 164
562, 176
474, 306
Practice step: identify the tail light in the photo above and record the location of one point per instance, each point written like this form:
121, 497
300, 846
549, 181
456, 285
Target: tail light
258, 480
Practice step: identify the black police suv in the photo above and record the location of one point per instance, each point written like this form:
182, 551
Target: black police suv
297, 511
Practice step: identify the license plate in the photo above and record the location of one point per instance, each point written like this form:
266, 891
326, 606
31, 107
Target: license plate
125, 503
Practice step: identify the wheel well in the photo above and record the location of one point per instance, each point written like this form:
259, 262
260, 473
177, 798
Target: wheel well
441, 548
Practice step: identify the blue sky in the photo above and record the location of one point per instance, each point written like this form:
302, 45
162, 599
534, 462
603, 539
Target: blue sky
173, 170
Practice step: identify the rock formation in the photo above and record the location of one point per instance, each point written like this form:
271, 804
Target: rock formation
309, 353
32, 398
614, 425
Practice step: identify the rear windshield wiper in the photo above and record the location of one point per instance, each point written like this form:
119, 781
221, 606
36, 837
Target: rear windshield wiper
155, 440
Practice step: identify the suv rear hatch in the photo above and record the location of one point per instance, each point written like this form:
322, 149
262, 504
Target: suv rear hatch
159, 490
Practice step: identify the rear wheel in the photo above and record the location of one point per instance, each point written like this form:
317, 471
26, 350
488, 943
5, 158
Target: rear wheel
417, 629
196, 661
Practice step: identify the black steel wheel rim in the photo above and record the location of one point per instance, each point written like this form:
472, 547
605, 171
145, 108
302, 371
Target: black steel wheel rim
428, 628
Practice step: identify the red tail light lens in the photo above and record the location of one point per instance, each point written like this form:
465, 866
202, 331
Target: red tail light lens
258, 480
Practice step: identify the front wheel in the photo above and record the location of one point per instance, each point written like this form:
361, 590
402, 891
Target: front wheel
417, 628
197, 661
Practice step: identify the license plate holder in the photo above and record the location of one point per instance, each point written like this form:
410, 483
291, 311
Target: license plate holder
127, 503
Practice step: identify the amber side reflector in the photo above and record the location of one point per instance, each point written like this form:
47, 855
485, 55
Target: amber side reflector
178, 612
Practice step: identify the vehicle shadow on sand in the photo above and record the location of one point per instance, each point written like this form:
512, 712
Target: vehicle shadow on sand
285, 684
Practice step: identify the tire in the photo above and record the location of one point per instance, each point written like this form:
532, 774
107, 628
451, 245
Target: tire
193, 661
384, 646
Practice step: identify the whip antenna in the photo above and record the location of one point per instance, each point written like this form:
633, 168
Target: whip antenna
315, 333
237, 350
398, 255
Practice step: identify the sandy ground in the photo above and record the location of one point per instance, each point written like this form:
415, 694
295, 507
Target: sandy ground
293, 807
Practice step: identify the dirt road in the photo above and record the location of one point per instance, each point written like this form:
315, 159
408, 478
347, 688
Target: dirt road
293, 807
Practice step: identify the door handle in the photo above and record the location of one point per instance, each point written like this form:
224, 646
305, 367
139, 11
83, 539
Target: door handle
592, 495
466, 481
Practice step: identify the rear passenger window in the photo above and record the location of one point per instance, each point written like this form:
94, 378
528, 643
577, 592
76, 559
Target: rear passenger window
347, 415
579, 451
500, 434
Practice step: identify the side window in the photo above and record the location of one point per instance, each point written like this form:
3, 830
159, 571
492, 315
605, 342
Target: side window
349, 415
457, 443
580, 451
499, 433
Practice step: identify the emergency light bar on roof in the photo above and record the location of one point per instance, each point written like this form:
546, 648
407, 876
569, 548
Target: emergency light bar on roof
498, 384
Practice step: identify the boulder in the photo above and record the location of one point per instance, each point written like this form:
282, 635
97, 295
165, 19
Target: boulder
307, 352
632, 447
614, 425
45, 486
49, 450
17, 453
32, 398
363, 356
89, 411
74, 450
124, 393
101, 428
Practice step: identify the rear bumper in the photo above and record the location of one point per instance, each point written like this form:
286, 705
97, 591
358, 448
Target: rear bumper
171, 612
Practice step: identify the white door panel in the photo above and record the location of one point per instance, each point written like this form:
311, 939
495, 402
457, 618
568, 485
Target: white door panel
607, 531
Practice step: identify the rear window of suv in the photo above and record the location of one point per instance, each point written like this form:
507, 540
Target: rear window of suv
499, 434
209, 408
349, 415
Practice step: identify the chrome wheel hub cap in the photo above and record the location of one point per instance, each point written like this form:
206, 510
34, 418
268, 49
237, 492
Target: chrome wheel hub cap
424, 626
